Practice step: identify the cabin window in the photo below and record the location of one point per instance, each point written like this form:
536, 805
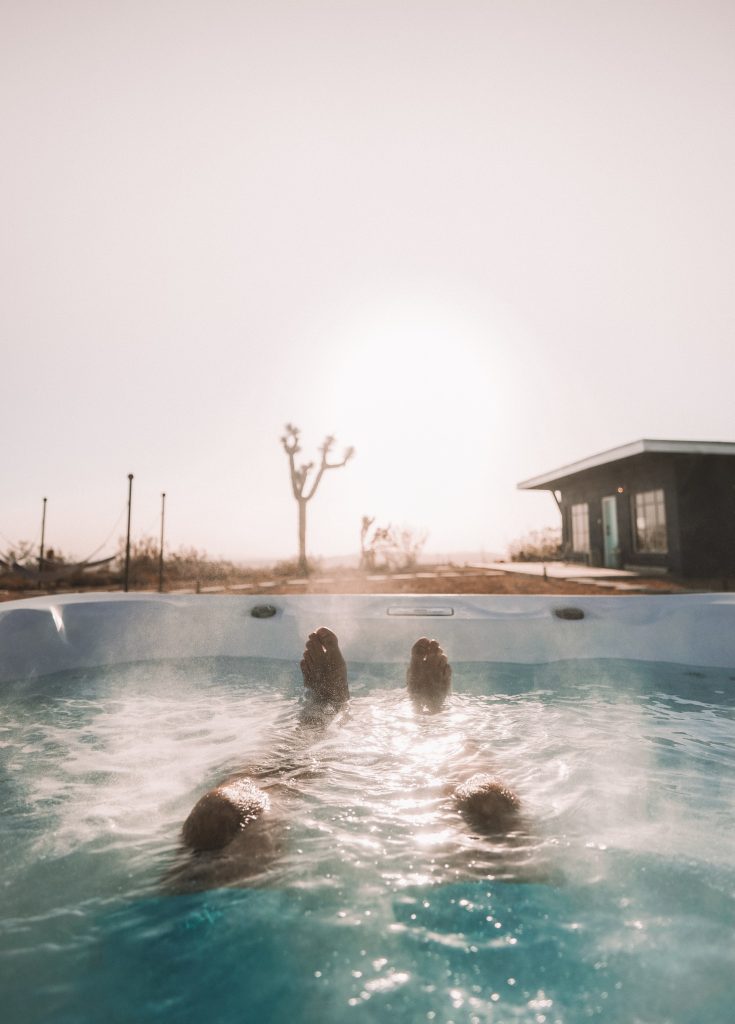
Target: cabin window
649, 518
581, 527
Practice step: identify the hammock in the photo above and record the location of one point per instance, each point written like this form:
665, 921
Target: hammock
62, 572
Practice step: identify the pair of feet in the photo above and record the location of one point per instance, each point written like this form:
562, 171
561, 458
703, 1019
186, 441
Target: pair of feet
428, 678
241, 807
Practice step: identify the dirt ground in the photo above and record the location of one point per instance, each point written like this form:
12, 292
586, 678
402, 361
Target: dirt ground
451, 580
427, 579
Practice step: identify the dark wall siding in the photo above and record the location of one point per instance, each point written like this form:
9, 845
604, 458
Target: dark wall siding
699, 491
706, 487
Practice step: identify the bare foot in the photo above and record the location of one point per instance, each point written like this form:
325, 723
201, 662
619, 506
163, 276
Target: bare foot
222, 813
487, 804
429, 675
324, 668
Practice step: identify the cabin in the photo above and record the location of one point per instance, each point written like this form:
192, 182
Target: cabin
651, 506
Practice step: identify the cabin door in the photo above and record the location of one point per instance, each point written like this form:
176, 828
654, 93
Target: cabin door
610, 532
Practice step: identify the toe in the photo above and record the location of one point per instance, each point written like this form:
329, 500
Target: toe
313, 645
327, 637
420, 648
435, 656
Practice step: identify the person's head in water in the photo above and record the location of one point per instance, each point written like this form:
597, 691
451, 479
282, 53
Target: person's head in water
487, 804
429, 675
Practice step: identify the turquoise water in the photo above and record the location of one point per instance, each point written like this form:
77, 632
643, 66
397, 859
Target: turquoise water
615, 900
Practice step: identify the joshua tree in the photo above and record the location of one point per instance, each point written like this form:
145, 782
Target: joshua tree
300, 475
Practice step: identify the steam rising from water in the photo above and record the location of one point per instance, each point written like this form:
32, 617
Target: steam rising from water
380, 891
109, 765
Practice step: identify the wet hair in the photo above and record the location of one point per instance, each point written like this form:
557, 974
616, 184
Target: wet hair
221, 813
487, 802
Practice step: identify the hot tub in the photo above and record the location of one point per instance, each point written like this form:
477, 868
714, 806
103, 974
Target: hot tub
611, 717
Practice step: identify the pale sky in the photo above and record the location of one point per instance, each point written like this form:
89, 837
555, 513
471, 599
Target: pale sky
475, 240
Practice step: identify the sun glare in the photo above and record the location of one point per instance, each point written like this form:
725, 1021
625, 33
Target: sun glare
424, 390
424, 363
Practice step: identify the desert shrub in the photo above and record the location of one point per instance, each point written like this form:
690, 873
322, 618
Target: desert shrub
287, 567
537, 546
186, 563
23, 552
290, 567
389, 547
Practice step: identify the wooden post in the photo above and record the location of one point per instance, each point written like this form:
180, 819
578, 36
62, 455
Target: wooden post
160, 556
43, 537
127, 541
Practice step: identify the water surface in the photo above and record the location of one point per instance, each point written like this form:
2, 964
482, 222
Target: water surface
616, 900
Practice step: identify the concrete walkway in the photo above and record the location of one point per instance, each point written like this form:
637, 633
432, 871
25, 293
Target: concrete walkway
560, 570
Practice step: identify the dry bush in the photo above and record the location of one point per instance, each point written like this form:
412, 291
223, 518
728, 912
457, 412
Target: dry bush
184, 564
291, 567
23, 552
389, 547
537, 546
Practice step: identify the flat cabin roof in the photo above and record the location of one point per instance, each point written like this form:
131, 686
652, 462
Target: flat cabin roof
548, 481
